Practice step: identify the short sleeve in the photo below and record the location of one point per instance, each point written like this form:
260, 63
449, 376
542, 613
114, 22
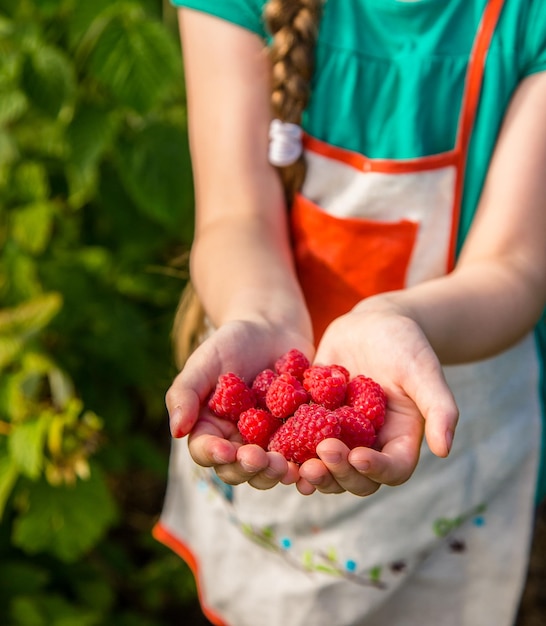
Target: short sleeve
245, 13
534, 38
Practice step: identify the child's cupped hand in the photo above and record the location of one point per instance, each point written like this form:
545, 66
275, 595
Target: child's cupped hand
245, 348
391, 349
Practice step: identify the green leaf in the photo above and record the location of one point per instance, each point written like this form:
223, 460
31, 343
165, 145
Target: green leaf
375, 574
43, 138
156, 169
48, 79
8, 150
65, 521
136, 60
87, 21
95, 592
9, 6
26, 446
10, 348
9, 472
51, 8
31, 226
24, 611
332, 571
22, 276
12, 106
90, 134
19, 577
30, 182
31, 316
13, 405
50, 610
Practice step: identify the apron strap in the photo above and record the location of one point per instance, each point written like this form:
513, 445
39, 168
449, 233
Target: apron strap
471, 97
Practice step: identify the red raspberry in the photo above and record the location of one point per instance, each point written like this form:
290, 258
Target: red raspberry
285, 395
298, 437
356, 428
326, 385
342, 370
368, 397
261, 384
293, 362
257, 426
231, 397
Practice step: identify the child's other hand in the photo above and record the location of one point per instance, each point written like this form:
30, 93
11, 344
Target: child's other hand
244, 348
390, 348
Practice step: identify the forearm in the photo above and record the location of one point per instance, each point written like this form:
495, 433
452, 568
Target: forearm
473, 313
497, 292
253, 277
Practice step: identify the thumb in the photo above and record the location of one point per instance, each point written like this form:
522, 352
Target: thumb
437, 405
183, 406
185, 397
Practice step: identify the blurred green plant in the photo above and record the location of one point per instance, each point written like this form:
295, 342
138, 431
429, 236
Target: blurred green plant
95, 221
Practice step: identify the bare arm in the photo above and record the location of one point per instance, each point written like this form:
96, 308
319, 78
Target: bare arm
498, 290
241, 259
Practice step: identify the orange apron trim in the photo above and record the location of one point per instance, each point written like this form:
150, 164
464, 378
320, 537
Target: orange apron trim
162, 534
469, 109
385, 166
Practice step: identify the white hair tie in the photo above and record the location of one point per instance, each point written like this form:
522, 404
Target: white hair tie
285, 145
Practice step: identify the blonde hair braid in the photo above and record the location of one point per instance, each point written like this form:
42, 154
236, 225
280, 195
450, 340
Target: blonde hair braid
293, 26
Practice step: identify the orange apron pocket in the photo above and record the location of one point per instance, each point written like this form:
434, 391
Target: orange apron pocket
341, 261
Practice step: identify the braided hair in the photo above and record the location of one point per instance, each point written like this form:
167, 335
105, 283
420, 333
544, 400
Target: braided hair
293, 27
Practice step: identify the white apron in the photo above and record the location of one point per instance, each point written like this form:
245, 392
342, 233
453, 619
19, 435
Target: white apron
449, 547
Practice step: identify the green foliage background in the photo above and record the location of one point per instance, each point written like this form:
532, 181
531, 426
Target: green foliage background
95, 222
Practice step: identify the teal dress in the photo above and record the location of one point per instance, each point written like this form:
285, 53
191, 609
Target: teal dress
392, 159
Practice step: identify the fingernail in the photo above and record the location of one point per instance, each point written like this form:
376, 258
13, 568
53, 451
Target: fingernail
175, 421
331, 457
270, 472
219, 459
361, 466
315, 481
251, 469
449, 439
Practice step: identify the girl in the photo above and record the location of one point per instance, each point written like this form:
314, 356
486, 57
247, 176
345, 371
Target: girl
403, 238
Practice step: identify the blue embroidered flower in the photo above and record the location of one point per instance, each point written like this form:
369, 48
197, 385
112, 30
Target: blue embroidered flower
350, 565
226, 490
286, 543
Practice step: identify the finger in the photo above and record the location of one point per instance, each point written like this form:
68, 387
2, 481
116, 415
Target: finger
436, 403
274, 473
315, 472
392, 466
188, 393
251, 461
183, 409
252, 457
334, 455
440, 425
209, 443
305, 487
292, 475
208, 450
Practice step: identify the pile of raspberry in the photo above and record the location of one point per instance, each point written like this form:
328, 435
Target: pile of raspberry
293, 407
